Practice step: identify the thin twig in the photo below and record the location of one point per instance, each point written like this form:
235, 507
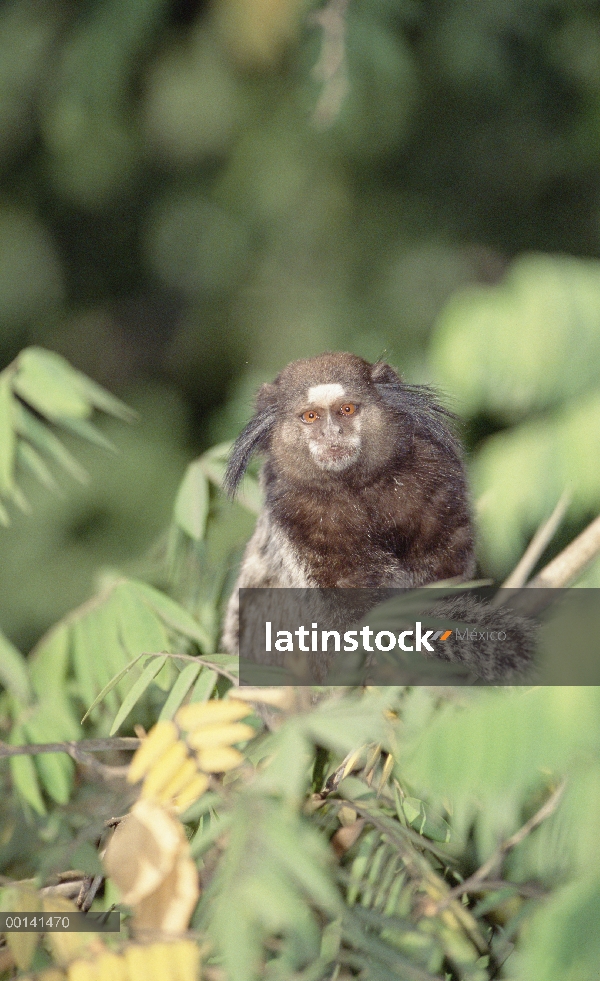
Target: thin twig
526, 889
76, 750
68, 889
197, 659
87, 893
537, 546
566, 567
475, 881
545, 589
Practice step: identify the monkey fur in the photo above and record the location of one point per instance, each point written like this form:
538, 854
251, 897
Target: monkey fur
364, 485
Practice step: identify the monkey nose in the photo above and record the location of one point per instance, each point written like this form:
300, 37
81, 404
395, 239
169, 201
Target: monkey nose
333, 426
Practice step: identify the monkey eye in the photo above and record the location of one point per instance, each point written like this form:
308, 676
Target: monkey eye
309, 416
348, 410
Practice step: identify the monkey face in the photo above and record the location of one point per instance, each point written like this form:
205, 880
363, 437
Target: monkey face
333, 427
335, 417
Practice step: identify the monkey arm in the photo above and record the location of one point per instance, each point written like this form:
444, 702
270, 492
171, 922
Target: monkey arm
269, 561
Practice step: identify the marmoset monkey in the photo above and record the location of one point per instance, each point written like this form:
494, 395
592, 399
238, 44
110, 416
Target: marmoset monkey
363, 480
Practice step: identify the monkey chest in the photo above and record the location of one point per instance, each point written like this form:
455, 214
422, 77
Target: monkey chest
346, 545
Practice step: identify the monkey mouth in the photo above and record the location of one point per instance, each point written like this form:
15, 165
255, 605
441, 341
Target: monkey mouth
334, 456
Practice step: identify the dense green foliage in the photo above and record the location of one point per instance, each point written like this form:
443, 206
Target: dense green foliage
191, 194
334, 848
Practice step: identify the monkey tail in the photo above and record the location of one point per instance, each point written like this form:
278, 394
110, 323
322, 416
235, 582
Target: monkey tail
495, 643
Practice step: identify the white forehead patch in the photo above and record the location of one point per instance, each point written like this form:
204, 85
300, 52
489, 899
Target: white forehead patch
325, 394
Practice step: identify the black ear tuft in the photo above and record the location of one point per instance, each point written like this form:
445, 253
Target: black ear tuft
418, 403
383, 374
253, 439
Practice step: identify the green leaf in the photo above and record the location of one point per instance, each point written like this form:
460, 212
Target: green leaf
172, 614
24, 774
527, 343
343, 724
282, 909
57, 720
275, 868
109, 644
192, 502
289, 753
383, 960
302, 853
56, 769
112, 684
20, 500
13, 671
424, 820
331, 940
104, 400
7, 435
208, 802
204, 686
28, 457
45, 441
97, 634
132, 698
228, 662
360, 865
207, 835
547, 453
47, 382
49, 661
536, 731
494, 899
219, 452
166, 678
139, 626
387, 880
83, 661
184, 682
383, 855
239, 941
56, 773
563, 939
214, 465
87, 431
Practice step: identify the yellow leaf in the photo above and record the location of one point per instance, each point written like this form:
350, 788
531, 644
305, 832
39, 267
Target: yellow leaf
197, 714
82, 971
191, 793
164, 770
208, 736
66, 947
186, 957
219, 759
184, 776
157, 742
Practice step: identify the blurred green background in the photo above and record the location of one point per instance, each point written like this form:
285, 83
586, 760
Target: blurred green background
194, 193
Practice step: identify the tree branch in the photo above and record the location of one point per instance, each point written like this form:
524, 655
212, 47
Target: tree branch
544, 534
81, 752
478, 879
565, 568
